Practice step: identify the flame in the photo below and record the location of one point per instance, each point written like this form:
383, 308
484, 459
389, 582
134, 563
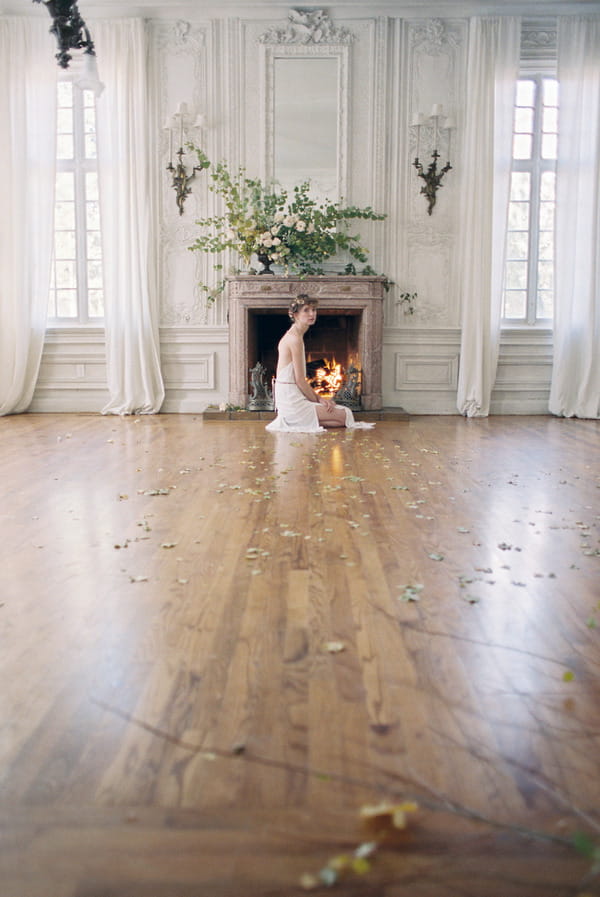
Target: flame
328, 379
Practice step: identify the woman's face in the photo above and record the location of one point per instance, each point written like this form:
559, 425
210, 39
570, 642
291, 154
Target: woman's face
307, 315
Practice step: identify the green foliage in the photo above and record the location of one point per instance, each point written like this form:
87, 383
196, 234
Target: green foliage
584, 845
291, 230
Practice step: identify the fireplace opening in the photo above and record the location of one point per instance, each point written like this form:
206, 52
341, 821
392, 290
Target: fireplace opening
331, 346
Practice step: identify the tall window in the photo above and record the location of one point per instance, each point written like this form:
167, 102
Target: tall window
529, 271
76, 289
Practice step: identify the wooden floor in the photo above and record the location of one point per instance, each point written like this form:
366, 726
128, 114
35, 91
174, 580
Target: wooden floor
219, 644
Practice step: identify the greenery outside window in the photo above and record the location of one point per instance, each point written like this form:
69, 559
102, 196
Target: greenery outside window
528, 295
76, 287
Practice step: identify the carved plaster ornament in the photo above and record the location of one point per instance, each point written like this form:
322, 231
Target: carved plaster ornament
307, 26
433, 37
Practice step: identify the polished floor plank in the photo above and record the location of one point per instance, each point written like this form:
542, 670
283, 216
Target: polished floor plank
173, 592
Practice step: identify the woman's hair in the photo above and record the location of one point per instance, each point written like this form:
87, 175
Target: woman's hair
299, 302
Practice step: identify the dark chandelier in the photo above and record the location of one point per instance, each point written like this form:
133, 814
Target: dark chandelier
69, 29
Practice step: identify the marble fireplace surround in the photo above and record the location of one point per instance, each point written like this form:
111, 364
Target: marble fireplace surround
344, 294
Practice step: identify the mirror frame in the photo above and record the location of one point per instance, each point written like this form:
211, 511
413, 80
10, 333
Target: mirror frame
340, 52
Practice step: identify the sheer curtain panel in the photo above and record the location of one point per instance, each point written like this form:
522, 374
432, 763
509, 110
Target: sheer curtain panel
575, 390
128, 219
28, 164
492, 70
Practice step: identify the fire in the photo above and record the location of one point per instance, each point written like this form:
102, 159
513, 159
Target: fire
328, 379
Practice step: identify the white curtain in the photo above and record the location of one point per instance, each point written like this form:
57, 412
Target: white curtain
28, 165
575, 390
492, 71
127, 163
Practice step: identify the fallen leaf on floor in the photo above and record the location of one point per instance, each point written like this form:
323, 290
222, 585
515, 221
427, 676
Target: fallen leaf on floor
568, 676
435, 556
168, 544
138, 579
411, 593
334, 647
396, 813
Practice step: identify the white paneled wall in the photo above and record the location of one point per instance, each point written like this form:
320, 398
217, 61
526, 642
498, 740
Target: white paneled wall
397, 67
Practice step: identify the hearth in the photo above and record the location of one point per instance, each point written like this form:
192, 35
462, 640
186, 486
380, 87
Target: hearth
348, 329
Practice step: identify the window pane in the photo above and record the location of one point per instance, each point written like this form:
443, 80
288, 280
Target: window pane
65, 93
66, 303
546, 245
545, 304
545, 275
92, 215
65, 186
94, 245
524, 120
547, 185
550, 119
549, 146
516, 245
96, 303
525, 93
64, 146
89, 119
64, 121
522, 146
518, 215
64, 216
515, 303
90, 146
520, 185
65, 274
94, 272
550, 92
64, 244
546, 216
91, 185
516, 275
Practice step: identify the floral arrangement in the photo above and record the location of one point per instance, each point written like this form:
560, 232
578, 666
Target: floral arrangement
293, 231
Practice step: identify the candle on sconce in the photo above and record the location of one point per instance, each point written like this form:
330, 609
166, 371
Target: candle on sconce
200, 121
436, 110
182, 111
168, 126
448, 125
416, 122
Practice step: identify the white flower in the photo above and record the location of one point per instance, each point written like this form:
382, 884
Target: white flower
276, 228
266, 239
276, 241
290, 220
231, 233
275, 256
279, 216
301, 225
310, 229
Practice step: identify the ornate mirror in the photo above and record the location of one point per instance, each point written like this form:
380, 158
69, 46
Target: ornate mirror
306, 103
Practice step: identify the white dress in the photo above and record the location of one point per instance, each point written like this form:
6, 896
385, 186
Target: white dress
295, 413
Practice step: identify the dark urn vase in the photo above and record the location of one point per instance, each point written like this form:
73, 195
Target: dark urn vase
266, 263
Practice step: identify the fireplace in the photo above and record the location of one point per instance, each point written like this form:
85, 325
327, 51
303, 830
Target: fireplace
349, 327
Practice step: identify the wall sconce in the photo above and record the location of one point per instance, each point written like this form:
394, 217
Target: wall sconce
431, 176
182, 121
